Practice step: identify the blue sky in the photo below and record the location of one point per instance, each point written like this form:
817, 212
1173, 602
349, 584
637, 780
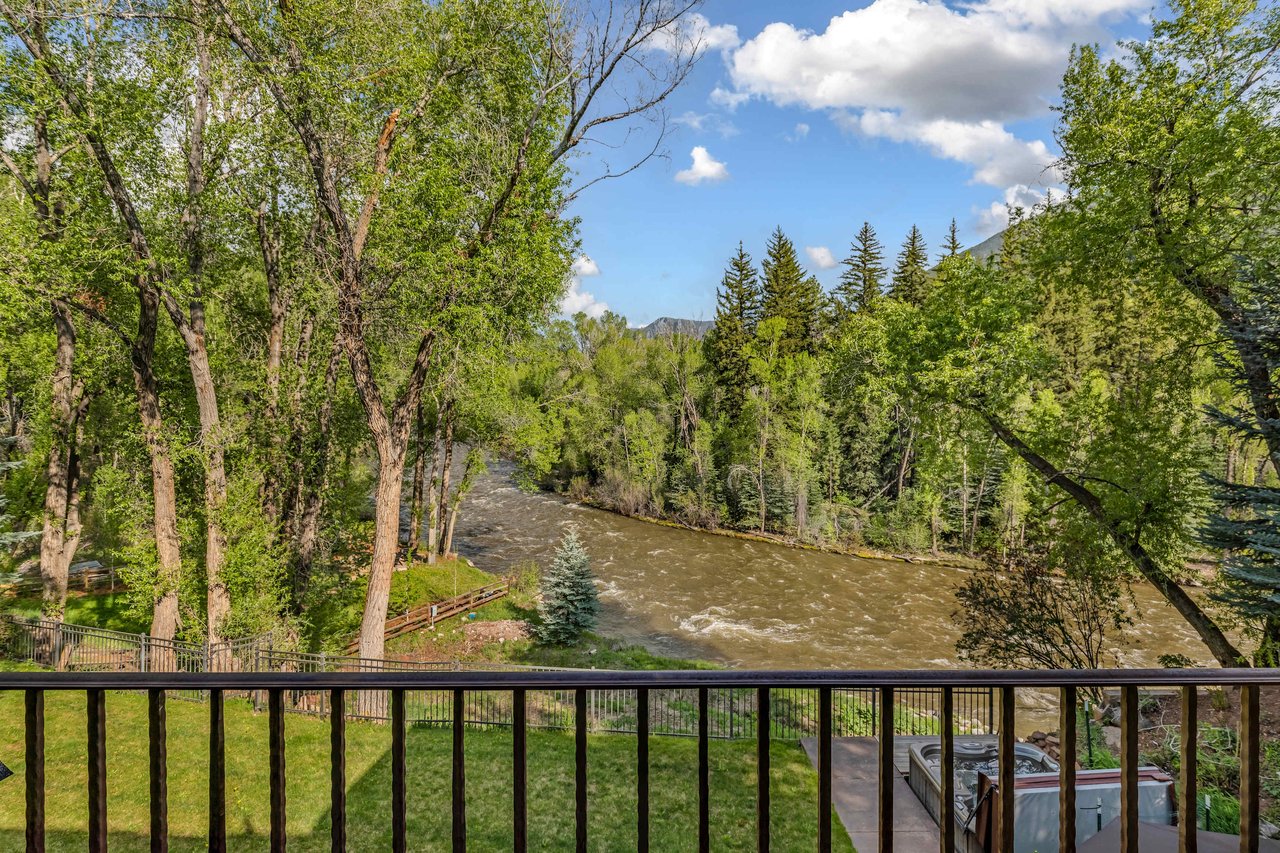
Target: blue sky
818, 114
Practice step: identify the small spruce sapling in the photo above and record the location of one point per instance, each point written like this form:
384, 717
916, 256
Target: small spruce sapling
570, 604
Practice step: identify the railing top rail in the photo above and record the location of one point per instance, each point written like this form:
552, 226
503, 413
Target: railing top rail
669, 679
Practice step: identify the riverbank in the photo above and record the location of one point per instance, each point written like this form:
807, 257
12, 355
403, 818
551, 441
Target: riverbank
943, 558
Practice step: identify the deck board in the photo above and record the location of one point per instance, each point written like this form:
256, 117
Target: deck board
855, 786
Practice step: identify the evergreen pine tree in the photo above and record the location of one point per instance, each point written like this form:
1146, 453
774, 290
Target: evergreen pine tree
812, 303
863, 277
911, 276
1247, 528
790, 296
737, 312
569, 605
951, 246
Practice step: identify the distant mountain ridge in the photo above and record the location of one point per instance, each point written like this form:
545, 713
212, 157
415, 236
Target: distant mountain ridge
664, 326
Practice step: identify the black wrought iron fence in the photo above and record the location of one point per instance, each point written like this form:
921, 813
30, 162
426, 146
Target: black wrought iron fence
732, 714
350, 689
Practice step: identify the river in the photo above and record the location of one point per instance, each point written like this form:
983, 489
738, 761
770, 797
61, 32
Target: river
758, 605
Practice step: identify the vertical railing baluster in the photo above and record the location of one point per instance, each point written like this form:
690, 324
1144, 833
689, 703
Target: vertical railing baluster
158, 765
1250, 755
217, 774
97, 724
275, 750
1067, 771
886, 771
762, 769
1129, 769
580, 768
459, 791
1188, 839
338, 769
399, 818
642, 770
35, 770
1007, 779
704, 775
824, 769
520, 770
947, 771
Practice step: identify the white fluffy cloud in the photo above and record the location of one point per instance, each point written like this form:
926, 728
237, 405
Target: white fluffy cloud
989, 59
696, 31
995, 217
947, 77
997, 156
821, 257
703, 169
575, 298
727, 98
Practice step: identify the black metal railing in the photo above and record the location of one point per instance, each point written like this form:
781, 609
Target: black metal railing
347, 690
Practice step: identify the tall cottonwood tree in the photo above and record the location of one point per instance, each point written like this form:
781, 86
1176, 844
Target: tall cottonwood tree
1185, 193
47, 205
58, 72
509, 88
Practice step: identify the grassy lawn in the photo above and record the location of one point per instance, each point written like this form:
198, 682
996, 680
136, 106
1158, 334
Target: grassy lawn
107, 610
488, 768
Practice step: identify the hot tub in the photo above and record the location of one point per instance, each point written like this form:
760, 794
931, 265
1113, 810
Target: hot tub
1035, 793
974, 755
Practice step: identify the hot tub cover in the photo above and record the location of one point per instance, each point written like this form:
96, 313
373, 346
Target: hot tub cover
1158, 838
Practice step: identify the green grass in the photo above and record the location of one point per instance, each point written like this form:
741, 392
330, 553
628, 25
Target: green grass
593, 652
488, 769
337, 601
109, 610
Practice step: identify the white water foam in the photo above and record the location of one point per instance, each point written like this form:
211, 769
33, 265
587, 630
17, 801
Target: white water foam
716, 621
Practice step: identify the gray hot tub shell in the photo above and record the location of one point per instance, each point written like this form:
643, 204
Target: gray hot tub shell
1036, 797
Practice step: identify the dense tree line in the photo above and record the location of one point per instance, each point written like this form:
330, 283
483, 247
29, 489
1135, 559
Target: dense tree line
1095, 405
267, 273
262, 263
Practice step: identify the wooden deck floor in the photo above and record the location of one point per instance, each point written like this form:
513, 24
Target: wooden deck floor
855, 791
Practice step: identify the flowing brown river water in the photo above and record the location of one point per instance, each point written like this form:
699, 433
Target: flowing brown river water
758, 605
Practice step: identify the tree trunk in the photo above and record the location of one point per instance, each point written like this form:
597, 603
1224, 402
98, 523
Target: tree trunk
446, 469
215, 489
192, 328
385, 544
904, 463
164, 619
1223, 651
419, 474
977, 503
448, 533
433, 500
55, 556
